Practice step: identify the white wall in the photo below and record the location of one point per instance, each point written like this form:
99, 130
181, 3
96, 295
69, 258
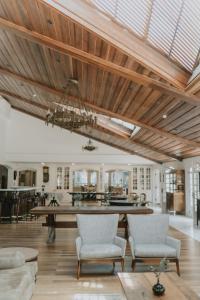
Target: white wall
4, 122
30, 140
25, 142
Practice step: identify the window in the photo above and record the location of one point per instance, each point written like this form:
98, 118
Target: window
135, 181
59, 178
66, 178
171, 26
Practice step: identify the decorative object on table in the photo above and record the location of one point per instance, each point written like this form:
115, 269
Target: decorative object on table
71, 113
89, 146
158, 288
135, 197
53, 202
45, 174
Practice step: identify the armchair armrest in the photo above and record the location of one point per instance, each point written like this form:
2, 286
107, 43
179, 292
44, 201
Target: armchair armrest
170, 241
78, 246
121, 243
131, 243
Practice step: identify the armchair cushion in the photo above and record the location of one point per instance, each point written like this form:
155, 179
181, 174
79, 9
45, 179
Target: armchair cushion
93, 251
97, 229
148, 229
11, 260
154, 250
16, 286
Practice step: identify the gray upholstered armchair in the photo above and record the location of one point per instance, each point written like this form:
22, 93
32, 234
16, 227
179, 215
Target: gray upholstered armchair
149, 240
98, 240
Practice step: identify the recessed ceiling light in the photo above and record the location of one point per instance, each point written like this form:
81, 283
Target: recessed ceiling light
164, 116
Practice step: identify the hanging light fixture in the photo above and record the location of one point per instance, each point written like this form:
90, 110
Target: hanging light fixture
89, 146
71, 114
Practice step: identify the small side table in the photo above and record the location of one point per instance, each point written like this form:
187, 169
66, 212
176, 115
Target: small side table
30, 254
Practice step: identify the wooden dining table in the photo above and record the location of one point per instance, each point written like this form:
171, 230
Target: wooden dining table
51, 212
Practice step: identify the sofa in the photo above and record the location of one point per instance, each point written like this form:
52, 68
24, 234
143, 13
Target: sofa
17, 278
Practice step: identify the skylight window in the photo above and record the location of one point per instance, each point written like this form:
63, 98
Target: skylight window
172, 26
130, 126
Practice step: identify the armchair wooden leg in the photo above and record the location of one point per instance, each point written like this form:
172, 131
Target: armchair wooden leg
78, 269
177, 267
133, 265
122, 264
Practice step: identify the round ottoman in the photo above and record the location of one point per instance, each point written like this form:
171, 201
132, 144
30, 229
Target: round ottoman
30, 254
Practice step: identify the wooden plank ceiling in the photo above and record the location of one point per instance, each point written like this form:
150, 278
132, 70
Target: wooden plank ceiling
41, 47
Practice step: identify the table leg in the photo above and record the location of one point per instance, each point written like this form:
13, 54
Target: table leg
51, 229
126, 229
124, 220
73, 200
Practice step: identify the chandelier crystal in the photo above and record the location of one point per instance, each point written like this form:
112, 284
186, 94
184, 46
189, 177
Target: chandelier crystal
71, 114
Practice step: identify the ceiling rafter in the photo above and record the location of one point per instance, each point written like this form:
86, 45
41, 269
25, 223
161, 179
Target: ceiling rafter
98, 62
100, 127
134, 142
102, 110
120, 148
87, 15
93, 137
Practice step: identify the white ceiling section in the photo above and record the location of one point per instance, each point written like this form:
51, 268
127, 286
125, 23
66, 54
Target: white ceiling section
171, 26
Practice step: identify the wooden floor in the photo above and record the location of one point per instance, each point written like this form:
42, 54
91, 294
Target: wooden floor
57, 263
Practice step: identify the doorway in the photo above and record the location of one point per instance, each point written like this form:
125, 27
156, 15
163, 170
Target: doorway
27, 178
3, 177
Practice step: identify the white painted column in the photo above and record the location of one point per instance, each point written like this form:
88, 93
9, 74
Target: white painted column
4, 121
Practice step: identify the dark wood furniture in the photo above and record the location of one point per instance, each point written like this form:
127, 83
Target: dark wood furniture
120, 203
51, 213
3, 177
138, 286
16, 203
175, 191
90, 196
175, 202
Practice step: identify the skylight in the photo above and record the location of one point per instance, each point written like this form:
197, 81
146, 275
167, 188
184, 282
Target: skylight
171, 26
118, 124
130, 126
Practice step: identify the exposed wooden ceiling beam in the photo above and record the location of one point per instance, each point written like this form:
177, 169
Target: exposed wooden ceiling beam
119, 147
25, 100
90, 136
98, 62
134, 142
100, 126
158, 131
91, 18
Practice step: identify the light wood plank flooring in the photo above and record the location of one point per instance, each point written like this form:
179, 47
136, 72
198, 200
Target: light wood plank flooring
57, 263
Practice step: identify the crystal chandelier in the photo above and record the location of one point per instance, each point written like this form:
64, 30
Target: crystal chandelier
89, 146
71, 114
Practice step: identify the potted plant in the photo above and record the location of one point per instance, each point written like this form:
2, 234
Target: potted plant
158, 288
